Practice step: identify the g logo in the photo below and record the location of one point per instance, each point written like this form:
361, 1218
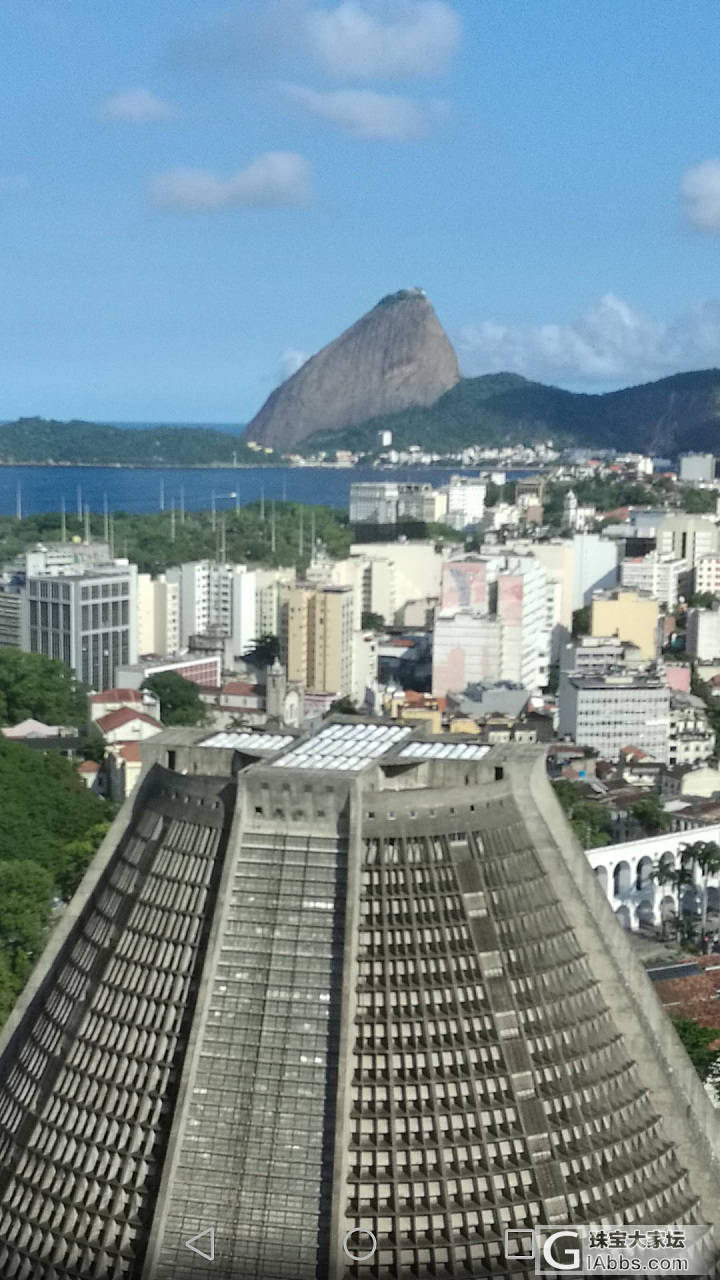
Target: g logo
561, 1257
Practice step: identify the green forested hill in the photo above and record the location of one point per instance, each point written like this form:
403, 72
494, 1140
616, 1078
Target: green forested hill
43, 440
677, 413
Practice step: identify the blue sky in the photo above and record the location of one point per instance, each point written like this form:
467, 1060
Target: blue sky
194, 196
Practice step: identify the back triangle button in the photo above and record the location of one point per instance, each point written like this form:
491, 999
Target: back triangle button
209, 1236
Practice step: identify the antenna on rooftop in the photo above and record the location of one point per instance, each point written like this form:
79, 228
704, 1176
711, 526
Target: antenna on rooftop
262, 503
18, 502
162, 495
79, 503
87, 524
223, 542
111, 539
272, 526
63, 520
301, 536
106, 523
182, 503
172, 521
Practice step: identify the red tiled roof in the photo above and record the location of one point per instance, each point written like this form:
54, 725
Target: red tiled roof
117, 695
695, 996
238, 687
124, 715
636, 753
88, 766
129, 751
430, 700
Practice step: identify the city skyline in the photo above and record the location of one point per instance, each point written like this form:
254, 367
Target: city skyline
191, 200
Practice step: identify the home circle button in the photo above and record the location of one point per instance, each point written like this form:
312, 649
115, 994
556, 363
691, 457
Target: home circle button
360, 1244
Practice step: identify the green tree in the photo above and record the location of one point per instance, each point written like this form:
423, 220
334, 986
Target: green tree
703, 600
180, 702
32, 685
26, 891
581, 621
264, 650
650, 816
697, 1042
588, 819
372, 621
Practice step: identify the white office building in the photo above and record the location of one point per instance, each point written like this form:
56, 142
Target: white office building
465, 501
697, 468
374, 502
662, 576
609, 711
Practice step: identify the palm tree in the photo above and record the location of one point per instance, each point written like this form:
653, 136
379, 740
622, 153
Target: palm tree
678, 878
705, 856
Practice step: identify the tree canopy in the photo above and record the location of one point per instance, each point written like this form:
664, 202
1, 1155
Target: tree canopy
589, 820
180, 701
51, 828
32, 685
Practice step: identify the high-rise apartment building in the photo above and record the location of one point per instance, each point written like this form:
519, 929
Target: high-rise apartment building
494, 623
707, 574
86, 618
216, 597
318, 987
158, 614
465, 501
268, 586
316, 636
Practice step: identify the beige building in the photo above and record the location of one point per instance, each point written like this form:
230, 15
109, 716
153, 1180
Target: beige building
630, 616
350, 572
397, 572
687, 537
158, 615
316, 636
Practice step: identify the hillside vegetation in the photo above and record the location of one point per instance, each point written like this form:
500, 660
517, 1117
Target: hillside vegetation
680, 412
43, 440
148, 539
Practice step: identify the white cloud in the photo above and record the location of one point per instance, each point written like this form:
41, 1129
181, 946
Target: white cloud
137, 106
273, 179
10, 183
383, 38
379, 117
610, 342
290, 361
700, 191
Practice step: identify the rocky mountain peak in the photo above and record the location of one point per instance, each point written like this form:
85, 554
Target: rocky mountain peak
395, 357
